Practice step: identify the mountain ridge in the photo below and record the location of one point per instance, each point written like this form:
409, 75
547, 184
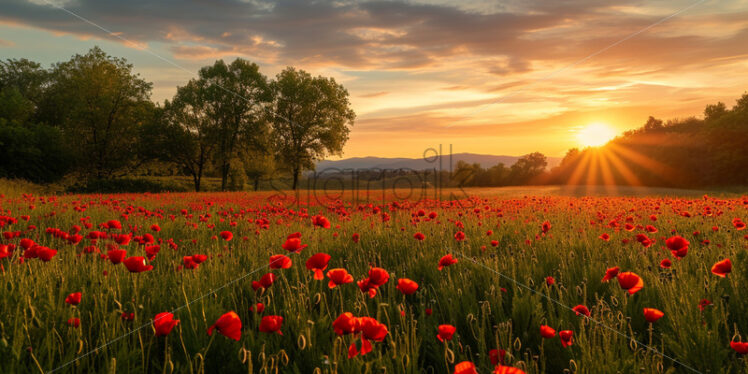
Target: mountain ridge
392, 163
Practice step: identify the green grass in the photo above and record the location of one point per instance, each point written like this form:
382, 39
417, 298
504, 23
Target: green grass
34, 336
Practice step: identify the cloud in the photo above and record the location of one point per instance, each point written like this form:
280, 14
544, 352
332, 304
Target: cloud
475, 62
6, 43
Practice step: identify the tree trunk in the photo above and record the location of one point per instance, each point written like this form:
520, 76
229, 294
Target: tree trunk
196, 182
295, 178
257, 183
224, 175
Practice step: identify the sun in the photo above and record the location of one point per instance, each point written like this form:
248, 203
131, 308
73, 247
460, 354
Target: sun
595, 135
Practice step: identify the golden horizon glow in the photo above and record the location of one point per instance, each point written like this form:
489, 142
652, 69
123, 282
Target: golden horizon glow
595, 134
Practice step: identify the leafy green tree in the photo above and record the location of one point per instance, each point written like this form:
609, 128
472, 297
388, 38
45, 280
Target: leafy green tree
28, 150
235, 98
184, 134
528, 167
714, 111
99, 103
28, 77
311, 119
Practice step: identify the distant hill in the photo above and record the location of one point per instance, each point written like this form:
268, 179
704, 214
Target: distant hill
485, 161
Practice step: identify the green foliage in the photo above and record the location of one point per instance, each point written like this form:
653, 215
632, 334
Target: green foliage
99, 103
120, 185
310, 117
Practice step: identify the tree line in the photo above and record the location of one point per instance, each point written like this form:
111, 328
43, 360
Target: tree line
92, 118
688, 152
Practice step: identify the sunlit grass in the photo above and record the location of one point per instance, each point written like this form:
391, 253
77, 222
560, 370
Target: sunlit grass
489, 311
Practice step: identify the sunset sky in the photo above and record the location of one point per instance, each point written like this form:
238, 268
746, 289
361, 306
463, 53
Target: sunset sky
491, 77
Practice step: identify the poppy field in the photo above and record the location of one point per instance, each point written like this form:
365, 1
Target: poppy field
266, 283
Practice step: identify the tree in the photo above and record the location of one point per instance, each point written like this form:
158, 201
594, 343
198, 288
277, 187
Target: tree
28, 150
184, 134
652, 124
498, 174
571, 156
28, 77
311, 119
528, 167
99, 104
741, 105
236, 97
714, 111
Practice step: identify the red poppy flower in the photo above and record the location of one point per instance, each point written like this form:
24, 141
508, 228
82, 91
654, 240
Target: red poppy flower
45, 254
338, 276
113, 224
739, 347
74, 322
459, 236
257, 308
164, 323
547, 332
116, 255
122, 239
722, 268
546, 227
280, 262
356, 237
189, 263
567, 337
631, 282
372, 329
652, 314
550, 280
226, 235
406, 286
137, 264
678, 245
317, 263
507, 370
465, 367
26, 243
419, 236
265, 281
378, 276
447, 260
666, 264
271, 324
703, 304
321, 221
4, 251
611, 273
738, 224
346, 323
605, 237
157, 228
497, 356
151, 251
127, 316
445, 332
294, 245
229, 325
581, 310
74, 298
